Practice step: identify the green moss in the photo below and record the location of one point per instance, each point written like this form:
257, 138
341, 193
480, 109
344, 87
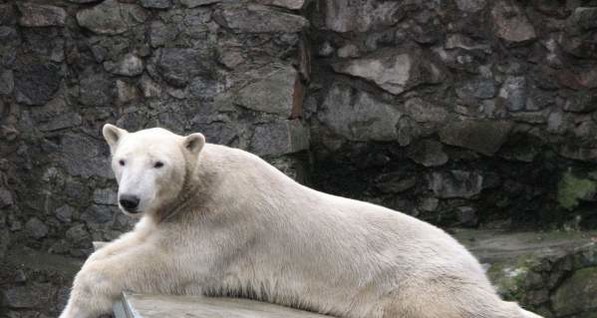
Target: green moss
577, 293
571, 189
510, 277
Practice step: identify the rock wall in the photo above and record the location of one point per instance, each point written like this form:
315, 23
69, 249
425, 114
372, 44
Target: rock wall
460, 112
554, 274
229, 69
225, 69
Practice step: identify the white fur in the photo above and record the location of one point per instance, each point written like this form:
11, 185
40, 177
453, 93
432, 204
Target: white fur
234, 225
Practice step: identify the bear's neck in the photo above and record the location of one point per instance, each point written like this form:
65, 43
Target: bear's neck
194, 194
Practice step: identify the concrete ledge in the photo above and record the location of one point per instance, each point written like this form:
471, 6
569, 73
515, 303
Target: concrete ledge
160, 306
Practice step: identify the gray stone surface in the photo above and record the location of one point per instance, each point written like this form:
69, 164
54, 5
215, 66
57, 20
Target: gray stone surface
425, 112
34, 15
98, 215
514, 91
84, 156
64, 213
581, 102
272, 94
346, 15
529, 267
471, 5
456, 184
391, 73
467, 216
111, 17
585, 17
280, 138
126, 92
428, 153
485, 137
178, 66
6, 82
461, 41
196, 3
395, 183
288, 4
77, 234
358, 116
149, 87
7, 14
156, 4
129, 65
6, 198
511, 22
36, 83
95, 89
394, 72
152, 306
62, 121
105, 196
575, 295
259, 19
28, 296
478, 88
36, 228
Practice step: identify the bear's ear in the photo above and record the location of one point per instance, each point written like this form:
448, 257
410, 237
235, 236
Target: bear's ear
113, 134
194, 142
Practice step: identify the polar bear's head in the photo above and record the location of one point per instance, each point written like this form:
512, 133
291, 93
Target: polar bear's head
150, 166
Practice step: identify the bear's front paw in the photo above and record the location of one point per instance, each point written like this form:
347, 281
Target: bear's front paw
85, 309
72, 311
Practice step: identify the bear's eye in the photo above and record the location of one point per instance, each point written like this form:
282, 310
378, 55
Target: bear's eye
121, 162
158, 164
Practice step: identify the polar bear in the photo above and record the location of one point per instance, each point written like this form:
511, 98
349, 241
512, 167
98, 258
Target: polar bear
220, 221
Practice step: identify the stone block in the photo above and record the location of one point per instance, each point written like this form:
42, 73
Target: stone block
259, 19
483, 136
35, 84
511, 22
39, 15
279, 138
456, 184
357, 116
111, 17
576, 295
271, 94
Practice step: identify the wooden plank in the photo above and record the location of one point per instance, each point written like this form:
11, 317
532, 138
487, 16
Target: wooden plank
160, 306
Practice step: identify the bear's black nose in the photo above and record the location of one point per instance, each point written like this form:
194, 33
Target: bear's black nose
129, 202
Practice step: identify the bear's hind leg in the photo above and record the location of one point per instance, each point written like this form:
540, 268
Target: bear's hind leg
449, 302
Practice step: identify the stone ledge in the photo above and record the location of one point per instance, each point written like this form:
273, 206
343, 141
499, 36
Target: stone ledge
154, 306
552, 273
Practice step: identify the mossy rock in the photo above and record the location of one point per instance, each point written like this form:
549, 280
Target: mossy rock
577, 294
512, 278
572, 189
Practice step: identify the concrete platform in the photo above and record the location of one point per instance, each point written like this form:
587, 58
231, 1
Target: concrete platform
159, 306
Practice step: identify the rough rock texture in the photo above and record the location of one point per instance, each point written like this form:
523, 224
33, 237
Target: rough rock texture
111, 17
469, 113
33, 15
552, 273
235, 71
488, 105
358, 117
